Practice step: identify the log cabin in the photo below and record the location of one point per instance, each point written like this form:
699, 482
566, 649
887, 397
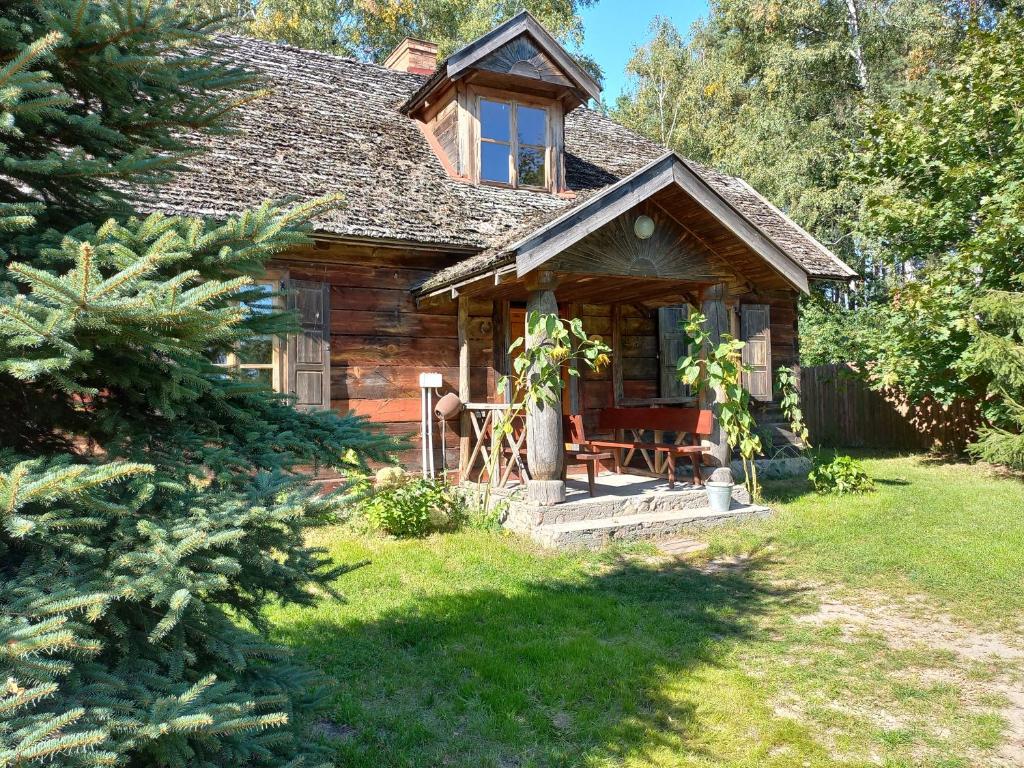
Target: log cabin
474, 188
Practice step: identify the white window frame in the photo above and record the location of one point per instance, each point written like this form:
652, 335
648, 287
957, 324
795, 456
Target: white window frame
513, 142
277, 343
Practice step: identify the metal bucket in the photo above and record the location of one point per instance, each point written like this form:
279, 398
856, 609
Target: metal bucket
719, 496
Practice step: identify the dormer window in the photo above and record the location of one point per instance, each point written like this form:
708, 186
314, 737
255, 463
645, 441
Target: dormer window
513, 144
494, 111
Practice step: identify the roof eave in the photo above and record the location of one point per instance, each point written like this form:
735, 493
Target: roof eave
549, 240
848, 272
459, 63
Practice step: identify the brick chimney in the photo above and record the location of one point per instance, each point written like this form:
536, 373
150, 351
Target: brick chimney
411, 55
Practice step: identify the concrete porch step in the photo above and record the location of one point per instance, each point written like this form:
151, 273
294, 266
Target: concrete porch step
622, 495
593, 534
580, 507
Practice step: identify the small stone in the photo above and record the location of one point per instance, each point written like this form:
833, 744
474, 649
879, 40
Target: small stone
721, 475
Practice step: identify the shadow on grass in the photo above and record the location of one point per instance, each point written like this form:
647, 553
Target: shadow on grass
943, 459
785, 490
598, 667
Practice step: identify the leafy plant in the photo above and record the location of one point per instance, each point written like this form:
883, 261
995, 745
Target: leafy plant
840, 476
414, 507
786, 384
941, 175
997, 354
538, 367
721, 369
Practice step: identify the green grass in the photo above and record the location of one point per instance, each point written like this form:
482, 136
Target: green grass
477, 649
951, 531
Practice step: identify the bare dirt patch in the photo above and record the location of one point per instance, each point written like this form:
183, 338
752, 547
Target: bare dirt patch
912, 623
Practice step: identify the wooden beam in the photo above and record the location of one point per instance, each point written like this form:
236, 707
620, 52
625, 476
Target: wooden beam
616, 354
465, 437
716, 323
574, 381
545, 446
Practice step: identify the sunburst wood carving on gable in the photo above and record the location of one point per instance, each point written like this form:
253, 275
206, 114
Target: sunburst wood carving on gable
671, 252
521, 57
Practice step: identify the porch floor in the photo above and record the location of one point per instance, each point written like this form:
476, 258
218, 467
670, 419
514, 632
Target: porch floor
624, 508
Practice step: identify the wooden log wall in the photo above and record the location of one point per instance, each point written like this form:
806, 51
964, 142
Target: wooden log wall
638, 359
785, 338
381, 341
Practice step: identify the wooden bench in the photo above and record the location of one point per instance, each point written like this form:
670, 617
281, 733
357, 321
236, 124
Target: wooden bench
572, 432
631, 426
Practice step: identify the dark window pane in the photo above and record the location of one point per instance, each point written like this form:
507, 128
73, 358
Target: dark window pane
220, 358
494, 123
262, 375
531, 167
259, 349
494, 162
531, 125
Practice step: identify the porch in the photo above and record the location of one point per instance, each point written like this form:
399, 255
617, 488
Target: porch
635, 501
625, 508
631, 264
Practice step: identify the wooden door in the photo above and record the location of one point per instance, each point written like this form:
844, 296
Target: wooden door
755, 330
672, 343
309, 351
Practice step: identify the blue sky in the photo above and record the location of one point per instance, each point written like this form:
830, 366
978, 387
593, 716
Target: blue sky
613, 28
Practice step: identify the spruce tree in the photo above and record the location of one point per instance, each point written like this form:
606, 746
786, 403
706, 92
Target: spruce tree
996, 355
151, 503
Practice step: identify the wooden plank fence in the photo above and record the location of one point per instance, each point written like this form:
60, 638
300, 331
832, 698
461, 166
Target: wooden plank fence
842, 411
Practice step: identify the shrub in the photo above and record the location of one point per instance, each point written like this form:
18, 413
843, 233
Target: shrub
413, 507
841, 475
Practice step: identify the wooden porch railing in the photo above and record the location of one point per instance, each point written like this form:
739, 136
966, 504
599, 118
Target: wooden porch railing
490, 462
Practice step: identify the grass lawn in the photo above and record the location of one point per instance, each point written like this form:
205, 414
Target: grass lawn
951, 531
478, 649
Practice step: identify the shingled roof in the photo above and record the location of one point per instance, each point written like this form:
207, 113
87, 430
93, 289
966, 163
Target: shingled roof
331, 124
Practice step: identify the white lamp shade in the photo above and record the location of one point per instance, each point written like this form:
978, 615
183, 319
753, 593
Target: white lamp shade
643, 227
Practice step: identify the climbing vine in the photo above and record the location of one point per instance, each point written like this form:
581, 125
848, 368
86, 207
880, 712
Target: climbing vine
786, 383
721, 369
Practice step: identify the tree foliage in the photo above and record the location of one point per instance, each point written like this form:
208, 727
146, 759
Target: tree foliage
151, 503
943, 178
775, 92
370, 29
996, 355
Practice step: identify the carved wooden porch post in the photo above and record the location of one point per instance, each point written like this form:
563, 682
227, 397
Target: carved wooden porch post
717, 323
545, 447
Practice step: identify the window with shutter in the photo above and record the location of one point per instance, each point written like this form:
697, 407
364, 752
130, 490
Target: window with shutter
309, 352
755, 330
258, 357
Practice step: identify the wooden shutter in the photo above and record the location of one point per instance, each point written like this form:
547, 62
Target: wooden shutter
755, 330
672, 345
309, 352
